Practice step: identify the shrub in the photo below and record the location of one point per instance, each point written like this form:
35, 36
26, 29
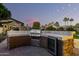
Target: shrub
51, 28
70, 29
2, 36
36, 25
60, 29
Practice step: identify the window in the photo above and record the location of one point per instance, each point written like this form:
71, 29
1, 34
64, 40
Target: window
5, 26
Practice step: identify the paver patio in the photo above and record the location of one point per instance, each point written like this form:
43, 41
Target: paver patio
22, 51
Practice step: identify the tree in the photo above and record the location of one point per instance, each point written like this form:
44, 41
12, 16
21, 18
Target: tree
66, 20
71, 20
50, 28
36, 25
70, 29
77, 25
57, 24
4, 12
60, 29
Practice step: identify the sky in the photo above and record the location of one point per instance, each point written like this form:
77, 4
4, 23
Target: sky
44, 12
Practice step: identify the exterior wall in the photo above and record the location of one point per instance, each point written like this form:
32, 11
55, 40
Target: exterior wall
1, 29
16, 24
5, 27
9, 26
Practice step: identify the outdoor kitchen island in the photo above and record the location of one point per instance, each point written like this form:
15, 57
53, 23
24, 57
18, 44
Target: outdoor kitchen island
56, 44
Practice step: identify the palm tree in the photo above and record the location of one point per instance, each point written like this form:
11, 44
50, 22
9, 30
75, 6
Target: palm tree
66, 20
71, 20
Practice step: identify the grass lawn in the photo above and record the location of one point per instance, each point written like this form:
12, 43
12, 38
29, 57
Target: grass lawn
76, 36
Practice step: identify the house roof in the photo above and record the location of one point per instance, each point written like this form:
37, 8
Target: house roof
10, 20
16, 20
5, 21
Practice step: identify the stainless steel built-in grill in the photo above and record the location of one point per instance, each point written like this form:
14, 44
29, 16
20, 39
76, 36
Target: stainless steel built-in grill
52, 45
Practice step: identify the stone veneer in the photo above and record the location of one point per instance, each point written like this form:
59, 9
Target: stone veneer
17, 41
